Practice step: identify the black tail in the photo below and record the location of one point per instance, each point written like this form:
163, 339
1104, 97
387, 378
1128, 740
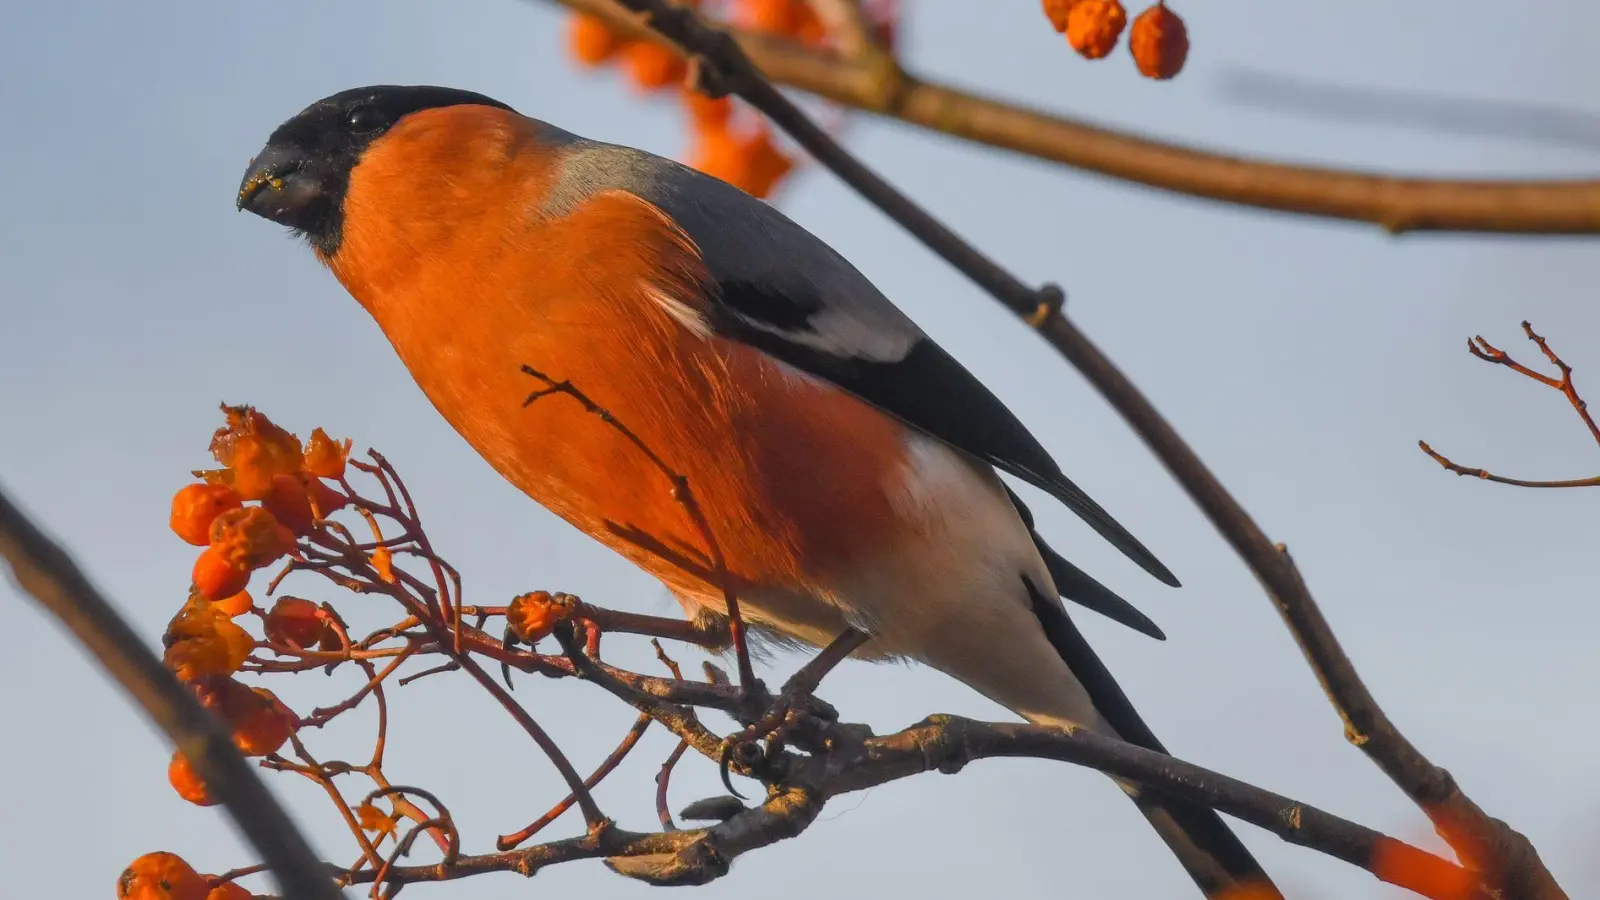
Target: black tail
1211, 853
1079, 586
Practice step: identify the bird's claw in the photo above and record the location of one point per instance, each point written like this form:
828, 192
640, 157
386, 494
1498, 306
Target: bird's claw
745, 747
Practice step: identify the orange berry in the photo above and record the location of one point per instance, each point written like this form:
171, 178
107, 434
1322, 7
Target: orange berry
325, 457
1056, 11
264, 726
215, 578
259, 721
1159, 42
1093, 27
590, 41
235, 605
196, 506
249, 537
296, 622
533, 616
767, 165
653, 66
229, 891
790, 18
706, 112
254, 450
160, 876
187, 782
716, 153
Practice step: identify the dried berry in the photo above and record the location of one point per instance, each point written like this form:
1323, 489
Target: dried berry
325, 457
254, 450
296, 622
1056, 11
533, 616
249, 538
1159, 42
1093, 27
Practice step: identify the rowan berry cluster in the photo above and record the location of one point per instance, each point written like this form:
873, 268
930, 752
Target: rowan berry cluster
270, 504
1159, 41
727, 140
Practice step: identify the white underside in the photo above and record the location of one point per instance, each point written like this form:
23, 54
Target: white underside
950, 595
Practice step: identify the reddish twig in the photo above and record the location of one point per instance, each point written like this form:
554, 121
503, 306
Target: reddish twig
1489, 353
606, 767
663, 779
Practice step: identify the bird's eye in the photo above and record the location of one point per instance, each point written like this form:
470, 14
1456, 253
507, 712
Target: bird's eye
364, 119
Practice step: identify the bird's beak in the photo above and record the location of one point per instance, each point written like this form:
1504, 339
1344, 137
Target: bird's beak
281, 186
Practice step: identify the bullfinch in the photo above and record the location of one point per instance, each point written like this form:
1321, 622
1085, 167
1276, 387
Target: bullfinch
849, 466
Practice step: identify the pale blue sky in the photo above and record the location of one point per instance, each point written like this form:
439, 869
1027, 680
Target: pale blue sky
1302, 358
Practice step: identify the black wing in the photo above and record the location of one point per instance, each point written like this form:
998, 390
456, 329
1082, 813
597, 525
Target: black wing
927, 389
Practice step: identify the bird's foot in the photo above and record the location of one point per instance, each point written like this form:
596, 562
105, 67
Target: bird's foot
793, 708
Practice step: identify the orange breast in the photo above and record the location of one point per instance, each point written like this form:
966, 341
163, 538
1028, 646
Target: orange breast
469, 286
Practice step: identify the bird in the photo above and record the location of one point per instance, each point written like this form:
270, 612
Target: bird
850, 466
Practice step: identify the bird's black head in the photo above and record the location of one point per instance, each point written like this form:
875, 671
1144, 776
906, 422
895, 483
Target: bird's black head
299, 178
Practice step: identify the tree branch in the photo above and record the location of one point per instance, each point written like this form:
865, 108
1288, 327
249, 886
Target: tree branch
1506, 860
1397, 203
44, 571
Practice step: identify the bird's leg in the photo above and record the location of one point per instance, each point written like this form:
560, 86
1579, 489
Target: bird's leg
799, 688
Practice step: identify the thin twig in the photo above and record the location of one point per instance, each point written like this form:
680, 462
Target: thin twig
1489, 353
609, 764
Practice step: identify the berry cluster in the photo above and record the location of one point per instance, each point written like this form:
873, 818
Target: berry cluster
1159, 41
271, 504
727, 141
247, 515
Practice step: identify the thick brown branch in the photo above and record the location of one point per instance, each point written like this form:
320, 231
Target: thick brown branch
1507, 860
1396, 203
946, 744
856, 761
44, 571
